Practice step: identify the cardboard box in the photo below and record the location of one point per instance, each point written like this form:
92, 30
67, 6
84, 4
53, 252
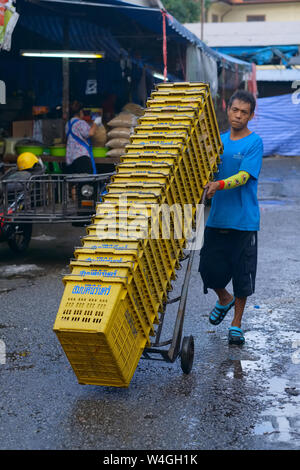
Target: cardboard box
22, 129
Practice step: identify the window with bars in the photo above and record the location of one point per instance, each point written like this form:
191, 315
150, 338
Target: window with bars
256, 17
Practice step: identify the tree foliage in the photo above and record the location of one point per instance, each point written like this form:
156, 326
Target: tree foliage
185, 11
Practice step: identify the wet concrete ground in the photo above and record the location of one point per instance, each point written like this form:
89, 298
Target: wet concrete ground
234, 398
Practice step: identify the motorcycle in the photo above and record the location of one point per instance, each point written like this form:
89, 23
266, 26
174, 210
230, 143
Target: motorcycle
17, 235
48, 199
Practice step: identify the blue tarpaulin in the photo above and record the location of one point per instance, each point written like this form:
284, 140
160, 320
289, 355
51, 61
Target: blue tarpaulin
261, 55
277, 121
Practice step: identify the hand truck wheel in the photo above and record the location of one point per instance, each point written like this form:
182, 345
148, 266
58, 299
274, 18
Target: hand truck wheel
187, 354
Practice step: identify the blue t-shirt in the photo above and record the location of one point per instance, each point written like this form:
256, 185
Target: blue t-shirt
238, 208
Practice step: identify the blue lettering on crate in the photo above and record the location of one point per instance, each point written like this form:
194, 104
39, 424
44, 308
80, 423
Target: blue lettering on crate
104, 258
99, 272
91, 289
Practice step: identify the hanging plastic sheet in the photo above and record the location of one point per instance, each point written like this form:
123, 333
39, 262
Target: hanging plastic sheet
201, 68
277, 121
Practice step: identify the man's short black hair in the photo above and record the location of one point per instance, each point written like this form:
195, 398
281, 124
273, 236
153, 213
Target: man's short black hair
245, 96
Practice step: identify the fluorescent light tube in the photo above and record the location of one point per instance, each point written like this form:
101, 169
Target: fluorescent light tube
159, 76
64, 54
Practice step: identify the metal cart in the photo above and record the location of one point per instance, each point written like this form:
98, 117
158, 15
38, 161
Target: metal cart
57, 198
176, 347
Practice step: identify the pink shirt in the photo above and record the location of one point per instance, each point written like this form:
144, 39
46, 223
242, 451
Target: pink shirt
74, 148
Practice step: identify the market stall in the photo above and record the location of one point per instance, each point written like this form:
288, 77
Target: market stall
122, 52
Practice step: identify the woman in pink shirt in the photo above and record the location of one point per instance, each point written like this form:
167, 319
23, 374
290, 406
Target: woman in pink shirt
79, 157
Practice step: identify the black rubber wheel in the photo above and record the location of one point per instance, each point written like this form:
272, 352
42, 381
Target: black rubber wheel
187, 354
20, 238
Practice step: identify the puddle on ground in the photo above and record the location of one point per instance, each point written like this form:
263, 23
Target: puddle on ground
43, 238
282, 425
21, 270
268, 349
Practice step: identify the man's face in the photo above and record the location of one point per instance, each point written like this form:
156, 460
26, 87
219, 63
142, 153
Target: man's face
239, 114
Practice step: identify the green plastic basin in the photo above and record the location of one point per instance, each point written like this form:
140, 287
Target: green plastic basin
36, 150
58, 151
99, 152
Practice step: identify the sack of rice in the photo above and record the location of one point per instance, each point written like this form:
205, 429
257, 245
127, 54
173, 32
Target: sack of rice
117, 143
99, 138
120, 132
134, 109
123, 120
116, 152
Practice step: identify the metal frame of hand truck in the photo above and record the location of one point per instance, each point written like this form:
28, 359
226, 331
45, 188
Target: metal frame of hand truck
185, 349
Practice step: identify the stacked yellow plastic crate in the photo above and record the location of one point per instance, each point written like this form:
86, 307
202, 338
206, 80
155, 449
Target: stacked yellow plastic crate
121, 275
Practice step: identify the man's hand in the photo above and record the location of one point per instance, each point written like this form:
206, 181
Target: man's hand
211, 187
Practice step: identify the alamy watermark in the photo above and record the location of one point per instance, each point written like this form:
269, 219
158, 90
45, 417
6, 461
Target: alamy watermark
139, 221
296, 94
2, 92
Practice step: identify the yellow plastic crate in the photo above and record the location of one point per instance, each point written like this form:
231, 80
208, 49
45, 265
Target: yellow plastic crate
149, 215
158, 138
125, 245
196, 166
169, 102
139, 269
169, 86
179, 85
141, 152
200, 95
201, 153
174, 111
166, 180
165, 144
193, 124
142, 214
170, 174
112, 298
97, 330
202, 148
159, 252
190, 87
161, 118
184, 136
95, 263
163, 192
165, 128
167, 199
200, 119
170, 255
204, 108
172, 163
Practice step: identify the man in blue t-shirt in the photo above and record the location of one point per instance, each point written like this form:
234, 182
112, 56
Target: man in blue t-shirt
229, 251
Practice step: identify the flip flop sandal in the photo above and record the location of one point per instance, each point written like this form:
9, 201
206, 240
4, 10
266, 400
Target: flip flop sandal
219, 312
236, 335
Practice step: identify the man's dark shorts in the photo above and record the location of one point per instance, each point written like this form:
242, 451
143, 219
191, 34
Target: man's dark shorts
227, 255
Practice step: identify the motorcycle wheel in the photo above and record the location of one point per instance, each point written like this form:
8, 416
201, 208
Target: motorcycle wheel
20, 239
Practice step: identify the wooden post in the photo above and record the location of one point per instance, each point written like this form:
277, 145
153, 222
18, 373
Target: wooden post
66, 73
66, 88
